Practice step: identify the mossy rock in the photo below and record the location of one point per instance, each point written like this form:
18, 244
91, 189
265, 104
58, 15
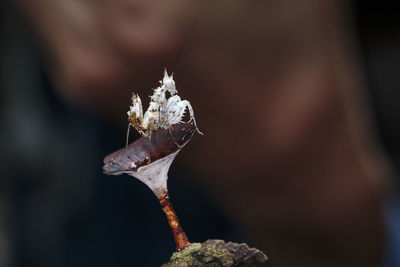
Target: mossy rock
217, 253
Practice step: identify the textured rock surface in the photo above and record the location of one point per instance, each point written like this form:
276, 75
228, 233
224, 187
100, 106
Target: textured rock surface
214, 253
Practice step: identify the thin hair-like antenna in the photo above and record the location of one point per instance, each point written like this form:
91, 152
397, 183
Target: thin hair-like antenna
127, 135
189, 31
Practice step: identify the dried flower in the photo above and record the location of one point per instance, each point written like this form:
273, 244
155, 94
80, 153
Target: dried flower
149, 158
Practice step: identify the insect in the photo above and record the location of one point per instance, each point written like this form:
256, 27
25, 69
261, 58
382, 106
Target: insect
162, 112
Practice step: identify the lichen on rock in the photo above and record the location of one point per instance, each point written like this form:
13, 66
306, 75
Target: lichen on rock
216, 253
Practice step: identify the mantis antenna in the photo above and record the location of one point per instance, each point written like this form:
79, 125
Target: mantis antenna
171, 91
188, 33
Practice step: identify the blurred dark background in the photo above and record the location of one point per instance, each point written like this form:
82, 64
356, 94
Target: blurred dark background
378, 28
297, 99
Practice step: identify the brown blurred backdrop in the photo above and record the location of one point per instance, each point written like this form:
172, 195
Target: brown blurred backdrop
286, 92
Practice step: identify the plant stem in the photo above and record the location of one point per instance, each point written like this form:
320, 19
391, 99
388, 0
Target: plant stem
179, 236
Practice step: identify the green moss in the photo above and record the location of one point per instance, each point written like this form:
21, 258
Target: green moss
186, 252
214, 253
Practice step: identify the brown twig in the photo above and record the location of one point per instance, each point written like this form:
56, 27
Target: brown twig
179, 236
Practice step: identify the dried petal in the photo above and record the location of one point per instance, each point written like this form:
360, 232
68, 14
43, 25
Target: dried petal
150, 164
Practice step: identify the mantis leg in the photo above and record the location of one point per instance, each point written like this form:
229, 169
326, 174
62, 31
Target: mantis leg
127, 135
